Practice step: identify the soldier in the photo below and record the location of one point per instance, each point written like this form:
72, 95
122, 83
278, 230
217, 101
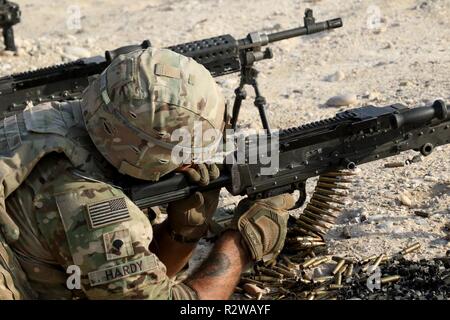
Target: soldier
60, 208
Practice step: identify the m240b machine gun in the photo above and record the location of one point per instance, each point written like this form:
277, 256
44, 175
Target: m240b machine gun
220, 55
9, 16
350, 138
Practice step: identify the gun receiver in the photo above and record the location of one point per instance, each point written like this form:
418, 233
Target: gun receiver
220, 55
350, 138
9, 16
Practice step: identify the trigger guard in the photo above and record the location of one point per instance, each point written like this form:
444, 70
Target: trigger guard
301, 187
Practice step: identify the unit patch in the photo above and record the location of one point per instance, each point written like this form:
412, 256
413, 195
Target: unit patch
121, 271
107, 212
118, 244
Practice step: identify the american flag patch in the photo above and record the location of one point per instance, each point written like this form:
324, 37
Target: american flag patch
107, 212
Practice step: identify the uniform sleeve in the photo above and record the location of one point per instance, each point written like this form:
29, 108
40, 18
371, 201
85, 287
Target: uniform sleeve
94, 226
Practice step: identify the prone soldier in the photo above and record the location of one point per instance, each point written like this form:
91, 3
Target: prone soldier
60, 208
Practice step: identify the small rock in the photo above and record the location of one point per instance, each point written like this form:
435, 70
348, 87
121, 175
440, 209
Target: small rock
338, 76
374, 95
253, 289
346, 232
342, 100
76, 52
7, 53
405, 199
430, 179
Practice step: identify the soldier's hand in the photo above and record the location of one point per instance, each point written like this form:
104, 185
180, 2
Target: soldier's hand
263, 225
189, 218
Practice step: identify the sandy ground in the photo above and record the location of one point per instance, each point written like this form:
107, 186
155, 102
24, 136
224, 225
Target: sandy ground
387, 52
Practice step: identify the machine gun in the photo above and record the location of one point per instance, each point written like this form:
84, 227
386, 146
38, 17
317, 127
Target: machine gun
350, 138
220, 55
9, 16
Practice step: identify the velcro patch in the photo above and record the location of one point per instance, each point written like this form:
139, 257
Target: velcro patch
118, 244
12, 132
107, 212
166, 70
121, 271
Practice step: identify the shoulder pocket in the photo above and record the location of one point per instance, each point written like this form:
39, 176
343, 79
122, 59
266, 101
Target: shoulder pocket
44, 118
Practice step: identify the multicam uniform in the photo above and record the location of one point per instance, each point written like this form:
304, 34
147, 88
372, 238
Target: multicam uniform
61, 209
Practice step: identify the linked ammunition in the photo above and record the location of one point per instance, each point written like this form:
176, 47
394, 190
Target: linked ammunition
343, 268
266, 279
411, 248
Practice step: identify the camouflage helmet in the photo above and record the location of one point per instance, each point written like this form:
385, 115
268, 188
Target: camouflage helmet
132, 110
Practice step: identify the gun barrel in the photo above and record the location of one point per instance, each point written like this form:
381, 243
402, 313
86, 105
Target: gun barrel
314, 28
418, 116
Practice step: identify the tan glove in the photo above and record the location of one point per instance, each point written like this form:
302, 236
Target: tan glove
189, 218
263, 225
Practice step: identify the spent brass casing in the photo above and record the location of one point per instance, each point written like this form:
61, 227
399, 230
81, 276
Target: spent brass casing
320, 261
323, 279
372, 267
410, 248
270, 272
267, 279
335, 286
394, 165
389, 279
286, 273
349, 272
338, 266
378, 261
309, 262
310, 239
338, 279
343, 268
311, 296
366, 260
